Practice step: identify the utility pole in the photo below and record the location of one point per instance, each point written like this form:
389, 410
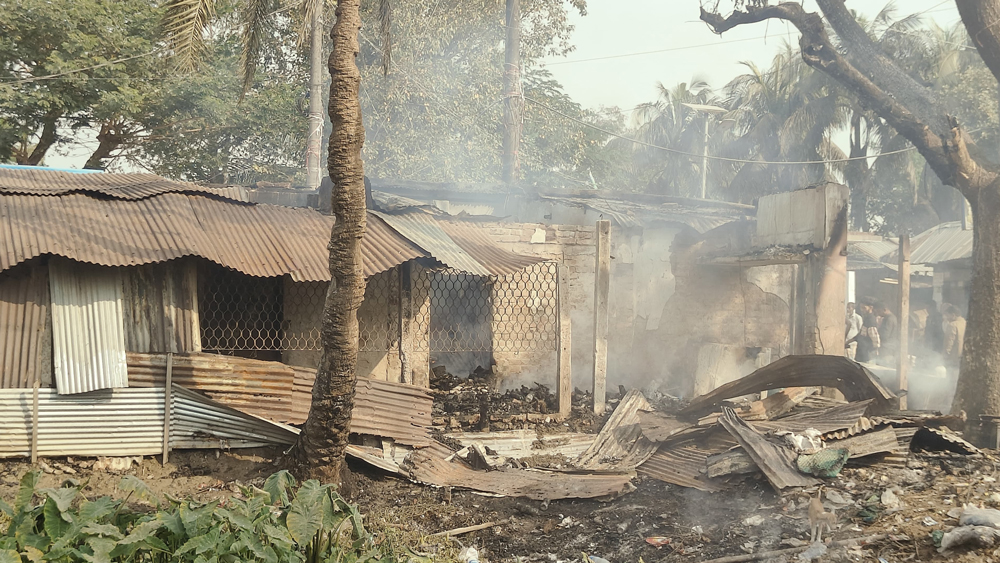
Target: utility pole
709, 111
513, 107
313, 158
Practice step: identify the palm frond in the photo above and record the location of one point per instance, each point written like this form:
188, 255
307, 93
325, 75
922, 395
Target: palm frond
184, 22
255, 15
307, 9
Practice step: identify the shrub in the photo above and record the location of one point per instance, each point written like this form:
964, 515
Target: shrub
279, 524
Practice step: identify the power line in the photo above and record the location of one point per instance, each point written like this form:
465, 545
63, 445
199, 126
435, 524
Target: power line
623, 55
710, 157
84, 69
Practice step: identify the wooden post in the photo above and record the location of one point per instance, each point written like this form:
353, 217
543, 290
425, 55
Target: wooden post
405, 323
513, 97
903, 359
564, 393
166, 407
602, 287
34, 420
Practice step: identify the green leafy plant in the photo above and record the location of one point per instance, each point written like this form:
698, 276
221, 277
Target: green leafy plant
284, 522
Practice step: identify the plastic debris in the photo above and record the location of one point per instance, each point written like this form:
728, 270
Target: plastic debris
928, 521
978, 536
824, 463
815, 551
658, 541
469, 555
889, 499
974, 516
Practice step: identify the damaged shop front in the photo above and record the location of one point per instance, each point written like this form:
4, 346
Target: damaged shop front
142, 314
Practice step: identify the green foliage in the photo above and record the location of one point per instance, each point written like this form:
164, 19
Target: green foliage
437, 115
308, 525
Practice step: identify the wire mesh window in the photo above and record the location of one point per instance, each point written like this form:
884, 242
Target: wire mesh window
239, 312
378, 316
526, 309
448, 311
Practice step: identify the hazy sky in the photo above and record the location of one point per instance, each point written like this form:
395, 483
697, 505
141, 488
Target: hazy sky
615, 30
620, 27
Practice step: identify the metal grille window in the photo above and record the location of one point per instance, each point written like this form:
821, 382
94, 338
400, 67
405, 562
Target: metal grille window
460, 312
526, 309
378, 316
239, 312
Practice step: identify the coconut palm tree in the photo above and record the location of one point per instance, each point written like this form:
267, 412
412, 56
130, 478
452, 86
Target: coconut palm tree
784, 113
324, 439
668, 122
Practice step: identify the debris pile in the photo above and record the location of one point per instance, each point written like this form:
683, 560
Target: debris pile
474, 404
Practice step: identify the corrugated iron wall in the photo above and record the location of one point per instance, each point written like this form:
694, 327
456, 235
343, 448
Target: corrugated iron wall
160, 304
88, 341
121, 422
25, 326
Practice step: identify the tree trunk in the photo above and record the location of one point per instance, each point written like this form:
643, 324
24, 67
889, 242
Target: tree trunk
324, 438
980, 380
109, 139
45, 140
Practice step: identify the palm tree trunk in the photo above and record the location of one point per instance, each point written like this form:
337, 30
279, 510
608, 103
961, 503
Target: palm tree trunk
324, 438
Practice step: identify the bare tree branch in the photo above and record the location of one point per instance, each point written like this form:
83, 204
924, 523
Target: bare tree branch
945, 150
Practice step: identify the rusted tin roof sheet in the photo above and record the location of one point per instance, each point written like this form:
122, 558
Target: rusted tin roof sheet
381, 408
422, 228
252, 386
850, 378
683, 466
88, 336
257, 240
941, 243
41, 181
392, 410
425, 467
199, 422
621, 443
777, 462
24, 303
476, 243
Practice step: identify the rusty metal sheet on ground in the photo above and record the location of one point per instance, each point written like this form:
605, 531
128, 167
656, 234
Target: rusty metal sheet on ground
777, 462
425, 467
620, 444
841, 417
851, 378
657, 426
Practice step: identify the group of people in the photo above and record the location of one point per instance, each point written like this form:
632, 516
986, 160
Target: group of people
935, 336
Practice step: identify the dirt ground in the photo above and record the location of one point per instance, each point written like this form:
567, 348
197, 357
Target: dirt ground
699, 526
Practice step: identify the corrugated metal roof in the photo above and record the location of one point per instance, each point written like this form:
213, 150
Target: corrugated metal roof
257, 240
475, 241
42, 181
633, 214
88, 339
425, 467
24, 302
941, 243
423, 229
684, 465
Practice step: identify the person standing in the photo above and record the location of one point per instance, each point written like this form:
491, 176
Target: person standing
868, 340
854, 325
954, 337
888, 331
